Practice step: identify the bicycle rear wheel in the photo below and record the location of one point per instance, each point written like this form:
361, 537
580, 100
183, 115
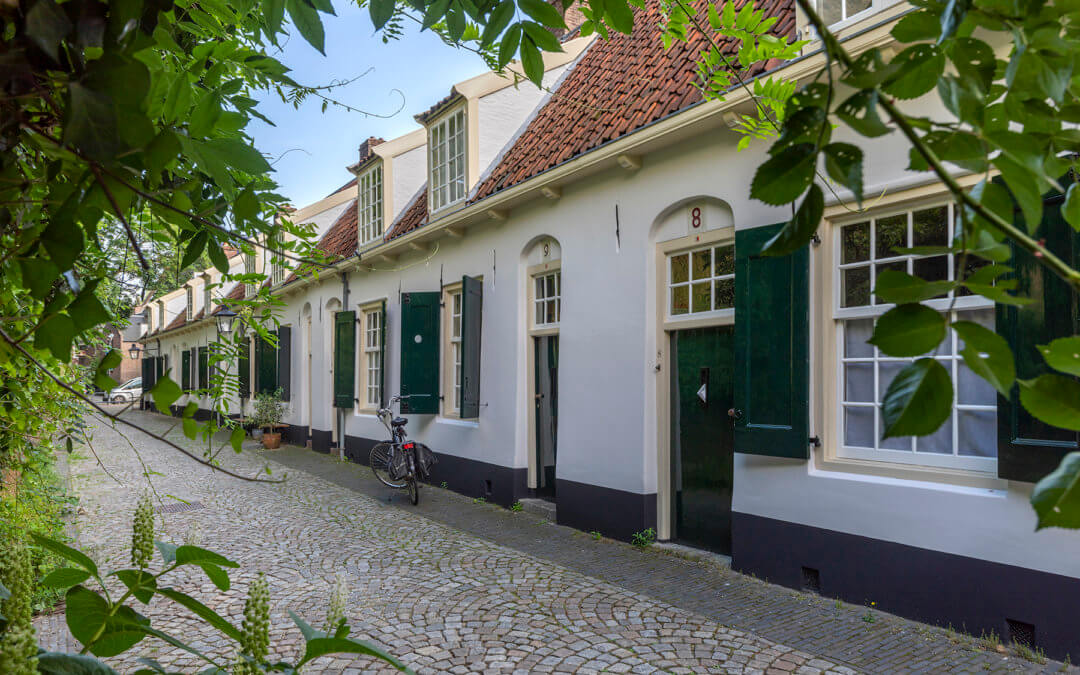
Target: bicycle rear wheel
379, 461
414, 482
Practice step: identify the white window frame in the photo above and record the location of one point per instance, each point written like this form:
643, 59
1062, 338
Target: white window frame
447, 153
369, 388
453, 302
541, 302
189, 311
845, 19
369, 205
952, 361
274, 257
712, 279
208, 298
249, 268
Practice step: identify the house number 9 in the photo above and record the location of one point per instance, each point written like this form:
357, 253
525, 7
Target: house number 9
695, 217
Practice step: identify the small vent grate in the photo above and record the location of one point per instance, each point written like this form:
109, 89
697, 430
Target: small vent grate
179, 507
811, 580
1021, 633
487, 487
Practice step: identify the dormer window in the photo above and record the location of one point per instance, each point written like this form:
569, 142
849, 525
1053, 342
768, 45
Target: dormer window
207, 298
837, 11
370, 205
446, 153
189, 312
275, 258
161, 315
249, 268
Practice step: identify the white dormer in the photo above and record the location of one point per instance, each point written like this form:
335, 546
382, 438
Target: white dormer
369, 204
189, 305
448, 157
207, 305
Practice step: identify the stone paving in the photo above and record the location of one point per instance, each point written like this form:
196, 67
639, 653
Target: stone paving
454, 586
439, 598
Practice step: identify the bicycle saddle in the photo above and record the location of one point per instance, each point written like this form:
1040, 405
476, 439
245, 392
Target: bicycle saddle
399, 422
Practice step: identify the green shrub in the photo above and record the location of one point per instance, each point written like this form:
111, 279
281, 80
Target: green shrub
644, 539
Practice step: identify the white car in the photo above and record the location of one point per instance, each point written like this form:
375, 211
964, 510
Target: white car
128, 391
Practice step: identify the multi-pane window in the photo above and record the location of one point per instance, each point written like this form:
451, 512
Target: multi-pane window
548, 299
867, 248
161, 316
370, 206
249, 268
447, 160
208, 299
276, 257
373, 358
455, 350
190, 304
835, 11
701, 280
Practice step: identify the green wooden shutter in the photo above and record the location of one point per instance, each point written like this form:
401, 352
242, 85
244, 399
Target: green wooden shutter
147, 373
284, 362
265, 366
1027, 448
344, 359
382, 354
420, 352
772, 348
243, 370
185, 368
204, 368
472, 304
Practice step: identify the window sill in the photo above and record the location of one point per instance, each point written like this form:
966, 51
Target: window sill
365, 412
544, 330
910, 473
722, 317
454, 421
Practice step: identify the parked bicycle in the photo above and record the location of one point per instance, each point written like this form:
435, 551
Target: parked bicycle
400, 463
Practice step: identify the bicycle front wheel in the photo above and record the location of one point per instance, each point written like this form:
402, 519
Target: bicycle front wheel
379, 461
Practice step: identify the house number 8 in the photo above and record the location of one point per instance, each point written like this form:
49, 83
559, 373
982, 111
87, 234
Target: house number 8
695, 217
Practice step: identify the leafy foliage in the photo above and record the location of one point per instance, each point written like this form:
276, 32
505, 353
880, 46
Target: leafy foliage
107, 626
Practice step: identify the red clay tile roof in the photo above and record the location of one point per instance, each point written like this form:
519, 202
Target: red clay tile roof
230, 250
617, 87
179, 321
237, 293
414, 216
338, 242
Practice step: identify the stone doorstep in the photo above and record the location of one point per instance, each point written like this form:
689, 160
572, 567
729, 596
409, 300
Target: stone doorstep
539, 507
695, 554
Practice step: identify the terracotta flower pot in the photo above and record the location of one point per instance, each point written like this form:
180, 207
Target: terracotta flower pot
271, 440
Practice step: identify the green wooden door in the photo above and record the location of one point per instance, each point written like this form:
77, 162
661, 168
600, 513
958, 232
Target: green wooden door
547, 412
703, 436
344, 359
420, 353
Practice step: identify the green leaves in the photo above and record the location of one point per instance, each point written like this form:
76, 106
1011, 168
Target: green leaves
898, 287
381, 11
90, 622
860, 113
187, 555
202, 611
111, 360
91, 123
141, 583
62, 663
987, 354
1056, 498
531, 61
544, 13
165, 392
908, 330
785, 176
306, 19
1070, 210
497, 22
46, 25
802, 227
1063, 354
918, 400
920, 67
66, 552
844, 164
65, 577
1054, 399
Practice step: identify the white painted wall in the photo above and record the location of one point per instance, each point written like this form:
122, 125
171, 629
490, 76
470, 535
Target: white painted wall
504, 113
410, 173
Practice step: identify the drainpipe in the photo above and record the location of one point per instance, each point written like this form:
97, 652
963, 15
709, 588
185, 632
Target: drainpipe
341, 411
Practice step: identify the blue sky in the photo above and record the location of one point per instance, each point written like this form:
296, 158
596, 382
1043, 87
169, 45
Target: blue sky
419, 65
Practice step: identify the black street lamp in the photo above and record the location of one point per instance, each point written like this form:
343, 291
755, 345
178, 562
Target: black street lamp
226, 318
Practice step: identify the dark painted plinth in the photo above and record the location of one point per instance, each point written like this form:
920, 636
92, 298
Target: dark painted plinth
613, 513
975, 596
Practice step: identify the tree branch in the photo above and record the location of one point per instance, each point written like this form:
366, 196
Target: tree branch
116, 418
1043, 255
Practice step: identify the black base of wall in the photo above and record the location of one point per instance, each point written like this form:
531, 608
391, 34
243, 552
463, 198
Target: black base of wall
295, 434
472, 478
972, 595
613, 513
321, 441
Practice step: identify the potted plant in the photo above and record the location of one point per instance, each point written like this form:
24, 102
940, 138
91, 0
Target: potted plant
269, 411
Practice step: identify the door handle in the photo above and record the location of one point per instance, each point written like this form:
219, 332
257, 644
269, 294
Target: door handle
734, 413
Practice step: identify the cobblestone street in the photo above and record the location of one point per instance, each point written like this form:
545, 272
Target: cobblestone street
456, 586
